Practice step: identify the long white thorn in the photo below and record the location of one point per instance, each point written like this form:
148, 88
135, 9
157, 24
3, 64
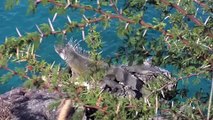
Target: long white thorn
39, 30
121, 11
172, 104
83, 34
178, 2
98, 2
162, 93
17, 52
32, 49
126, 25
85, 18
205, 66
100, 52
166, 39
198, 40
51, 25
196, 12
69, 20
40, 39
54, 17
206, 20
28, 51
67, 5
144, 33
19, 34
166, 17
52, 65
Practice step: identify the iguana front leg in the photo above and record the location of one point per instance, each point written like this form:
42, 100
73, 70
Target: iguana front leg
126, 78
109, 81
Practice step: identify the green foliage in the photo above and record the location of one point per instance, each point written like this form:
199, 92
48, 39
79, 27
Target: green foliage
54, 105
10, 4
31, 6
94, 42
5, 77
179, 43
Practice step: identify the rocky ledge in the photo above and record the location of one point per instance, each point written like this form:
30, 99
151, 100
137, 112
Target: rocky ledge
23, 104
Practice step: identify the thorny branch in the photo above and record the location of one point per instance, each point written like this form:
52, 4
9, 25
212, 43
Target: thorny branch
14, 72
112, 16
201, 4
175, 81
114, 7
127, 20
182, 11
119, 16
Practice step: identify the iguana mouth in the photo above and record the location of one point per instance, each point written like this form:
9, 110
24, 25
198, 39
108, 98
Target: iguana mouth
60, 50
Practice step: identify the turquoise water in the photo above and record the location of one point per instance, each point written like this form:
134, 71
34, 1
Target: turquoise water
18, 17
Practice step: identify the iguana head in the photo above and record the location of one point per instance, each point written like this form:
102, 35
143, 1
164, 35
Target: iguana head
65, 52
69, 51
61, 51
79, 62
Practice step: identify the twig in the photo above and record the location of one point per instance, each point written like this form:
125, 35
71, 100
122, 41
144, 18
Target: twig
127, 20
65, 109
190, 75
96, 107
201, 4
170, 82
182, 11
156, 105
118, 108
14, 72
67, 5
114, 7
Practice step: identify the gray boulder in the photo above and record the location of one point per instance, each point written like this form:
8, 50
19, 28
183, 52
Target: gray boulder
23, 104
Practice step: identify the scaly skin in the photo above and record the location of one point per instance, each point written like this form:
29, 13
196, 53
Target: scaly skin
81, 65
117, 77
78, 63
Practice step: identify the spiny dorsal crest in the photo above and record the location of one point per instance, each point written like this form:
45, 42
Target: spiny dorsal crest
75, 45
64, 49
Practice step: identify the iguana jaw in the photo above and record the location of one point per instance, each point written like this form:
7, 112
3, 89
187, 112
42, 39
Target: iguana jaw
60, 50
62, 55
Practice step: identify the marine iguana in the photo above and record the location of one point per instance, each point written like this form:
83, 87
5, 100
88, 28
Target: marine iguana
81, 64
78, 62
121, 80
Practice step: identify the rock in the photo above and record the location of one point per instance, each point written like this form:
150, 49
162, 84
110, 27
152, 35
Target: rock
22, 104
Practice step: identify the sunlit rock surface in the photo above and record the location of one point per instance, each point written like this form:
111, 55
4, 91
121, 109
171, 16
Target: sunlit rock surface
22, 104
